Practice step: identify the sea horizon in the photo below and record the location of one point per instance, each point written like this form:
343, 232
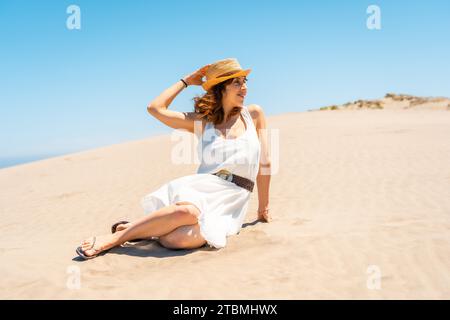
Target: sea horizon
8, 162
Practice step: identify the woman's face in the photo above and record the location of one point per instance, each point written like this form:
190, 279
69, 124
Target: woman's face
234, 93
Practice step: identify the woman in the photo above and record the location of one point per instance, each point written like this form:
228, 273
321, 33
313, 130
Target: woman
206, 207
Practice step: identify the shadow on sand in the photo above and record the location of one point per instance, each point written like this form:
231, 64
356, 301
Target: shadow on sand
152, 248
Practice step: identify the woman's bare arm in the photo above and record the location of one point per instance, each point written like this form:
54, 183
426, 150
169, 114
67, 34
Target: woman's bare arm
264, 172
175, 119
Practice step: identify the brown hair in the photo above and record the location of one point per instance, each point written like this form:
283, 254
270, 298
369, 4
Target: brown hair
209, 105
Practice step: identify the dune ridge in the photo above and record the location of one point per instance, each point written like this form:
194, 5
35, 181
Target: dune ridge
392, 101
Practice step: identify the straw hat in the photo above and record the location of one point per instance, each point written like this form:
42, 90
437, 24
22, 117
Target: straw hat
222, 70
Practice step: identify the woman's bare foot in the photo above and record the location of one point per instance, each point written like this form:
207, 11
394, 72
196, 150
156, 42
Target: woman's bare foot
102, 243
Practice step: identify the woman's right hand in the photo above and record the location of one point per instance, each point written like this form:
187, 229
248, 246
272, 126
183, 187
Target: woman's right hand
195, 78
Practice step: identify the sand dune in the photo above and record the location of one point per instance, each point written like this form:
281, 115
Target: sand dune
361, 207
392, 101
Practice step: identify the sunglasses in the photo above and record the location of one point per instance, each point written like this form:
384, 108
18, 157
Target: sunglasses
237, 83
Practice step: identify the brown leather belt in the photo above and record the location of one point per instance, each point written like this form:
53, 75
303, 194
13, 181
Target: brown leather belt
238, 180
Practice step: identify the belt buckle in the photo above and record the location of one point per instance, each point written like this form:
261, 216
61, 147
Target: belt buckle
225, 174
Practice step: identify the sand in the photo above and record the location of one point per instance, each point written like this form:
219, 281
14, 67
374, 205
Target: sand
361, 207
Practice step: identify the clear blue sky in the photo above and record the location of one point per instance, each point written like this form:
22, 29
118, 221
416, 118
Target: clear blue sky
67, 90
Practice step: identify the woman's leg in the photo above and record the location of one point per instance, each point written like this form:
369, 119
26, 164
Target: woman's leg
124, 226
159, 223
184, 237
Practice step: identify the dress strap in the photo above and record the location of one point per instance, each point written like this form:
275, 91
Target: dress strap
247, 117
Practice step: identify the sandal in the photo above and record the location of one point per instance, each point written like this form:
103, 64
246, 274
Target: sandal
85, 257
115, 225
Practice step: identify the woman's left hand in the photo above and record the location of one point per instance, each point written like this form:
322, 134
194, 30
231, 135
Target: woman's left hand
195, 78
264, 215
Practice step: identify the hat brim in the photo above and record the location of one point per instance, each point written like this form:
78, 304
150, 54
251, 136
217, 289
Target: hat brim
210, 83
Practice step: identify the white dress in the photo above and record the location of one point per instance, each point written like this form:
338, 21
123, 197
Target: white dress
222, 204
